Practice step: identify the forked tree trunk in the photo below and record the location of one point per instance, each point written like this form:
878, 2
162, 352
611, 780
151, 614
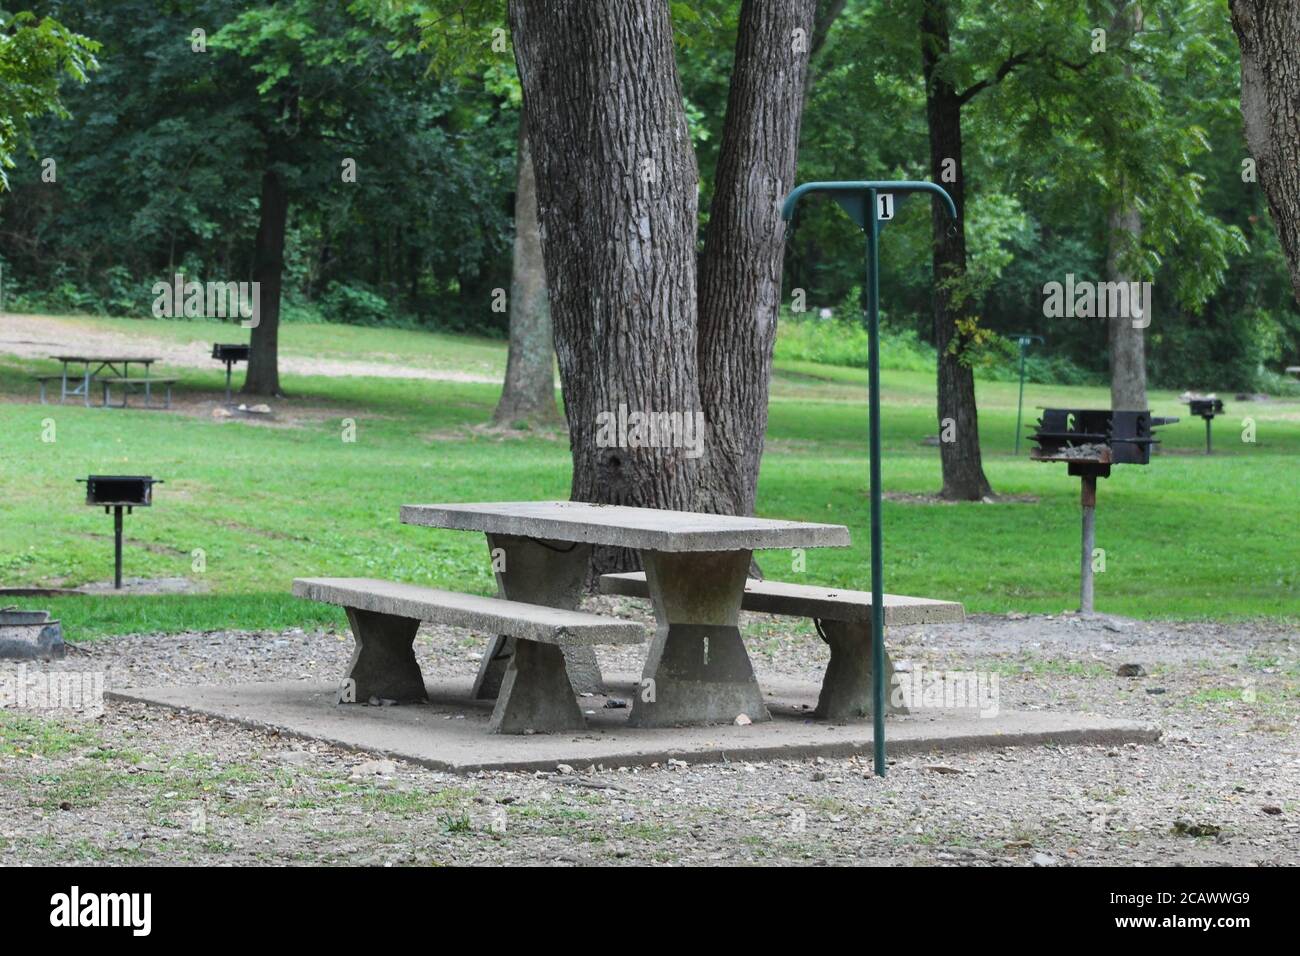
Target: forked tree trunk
263, 376
963, 469
740, 272
617, 195
1269, 34
529, 392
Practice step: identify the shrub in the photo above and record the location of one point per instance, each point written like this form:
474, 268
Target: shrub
353, 304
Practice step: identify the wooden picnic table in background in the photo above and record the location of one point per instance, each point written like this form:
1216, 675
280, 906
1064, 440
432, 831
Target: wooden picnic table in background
119, 365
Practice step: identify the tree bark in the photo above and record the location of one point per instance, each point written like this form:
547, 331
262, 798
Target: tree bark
1126, 345
617, 197
963, 469
1269, 34
1128, 363
263, 377
740, 271
529, 392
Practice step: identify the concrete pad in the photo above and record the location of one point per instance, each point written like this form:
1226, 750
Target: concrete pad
451, 731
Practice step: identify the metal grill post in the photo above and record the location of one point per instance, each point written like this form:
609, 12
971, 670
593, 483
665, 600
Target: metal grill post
1088, 501
117, 547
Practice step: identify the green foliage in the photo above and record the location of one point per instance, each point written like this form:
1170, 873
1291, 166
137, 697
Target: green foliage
160, 164
838, 341
842, 342
36, 54
1047, 149
353, 305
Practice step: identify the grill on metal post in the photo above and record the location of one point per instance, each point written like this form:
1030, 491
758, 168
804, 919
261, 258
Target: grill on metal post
1090, 441
1206, 408
116, 492
230, 354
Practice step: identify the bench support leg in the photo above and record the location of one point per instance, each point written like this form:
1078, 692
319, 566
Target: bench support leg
697, 671
551, 573
846, 688
383, 664
536, 694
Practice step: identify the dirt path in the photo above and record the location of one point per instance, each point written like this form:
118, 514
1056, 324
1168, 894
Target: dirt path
40, 336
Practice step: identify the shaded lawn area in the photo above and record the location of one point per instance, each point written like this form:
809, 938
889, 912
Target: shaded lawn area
1186, 537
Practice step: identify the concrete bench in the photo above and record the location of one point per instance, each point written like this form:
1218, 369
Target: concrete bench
843, 620
535, 693
138, 384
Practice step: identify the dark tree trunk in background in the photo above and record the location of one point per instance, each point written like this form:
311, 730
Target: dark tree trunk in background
529, 392
740, 272
1128, 360
1269, 34
824, 17
963, 469
617, 194
263, 376
1126, 345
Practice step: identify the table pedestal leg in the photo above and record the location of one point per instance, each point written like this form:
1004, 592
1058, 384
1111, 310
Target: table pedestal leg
536, 694
697, 671
550, 573
846, 688
383, 664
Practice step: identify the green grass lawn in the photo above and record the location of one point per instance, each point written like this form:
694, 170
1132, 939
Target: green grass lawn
1187, 537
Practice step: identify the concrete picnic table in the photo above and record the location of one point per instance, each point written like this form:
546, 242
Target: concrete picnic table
697, 670
117, 364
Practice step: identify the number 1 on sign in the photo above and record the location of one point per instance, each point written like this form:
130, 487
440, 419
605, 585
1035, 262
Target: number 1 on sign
885, 206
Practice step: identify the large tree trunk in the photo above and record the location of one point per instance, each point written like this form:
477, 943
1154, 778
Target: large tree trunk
963, 469
1126, 345
1128, 362
740, 272
529, 393
1269, 34
263, 376
617, 193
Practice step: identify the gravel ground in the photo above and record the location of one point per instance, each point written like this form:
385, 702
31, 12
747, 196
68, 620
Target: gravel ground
142, 785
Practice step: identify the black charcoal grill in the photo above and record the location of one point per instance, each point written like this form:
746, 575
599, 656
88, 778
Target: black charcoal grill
1090, 442
115, 492
230, 354
1206, 408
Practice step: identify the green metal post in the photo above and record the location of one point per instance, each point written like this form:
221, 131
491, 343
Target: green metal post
1020, 402
860, 200
877, 532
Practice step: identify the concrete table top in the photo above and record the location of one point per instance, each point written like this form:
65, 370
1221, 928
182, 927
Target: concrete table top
644, 529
